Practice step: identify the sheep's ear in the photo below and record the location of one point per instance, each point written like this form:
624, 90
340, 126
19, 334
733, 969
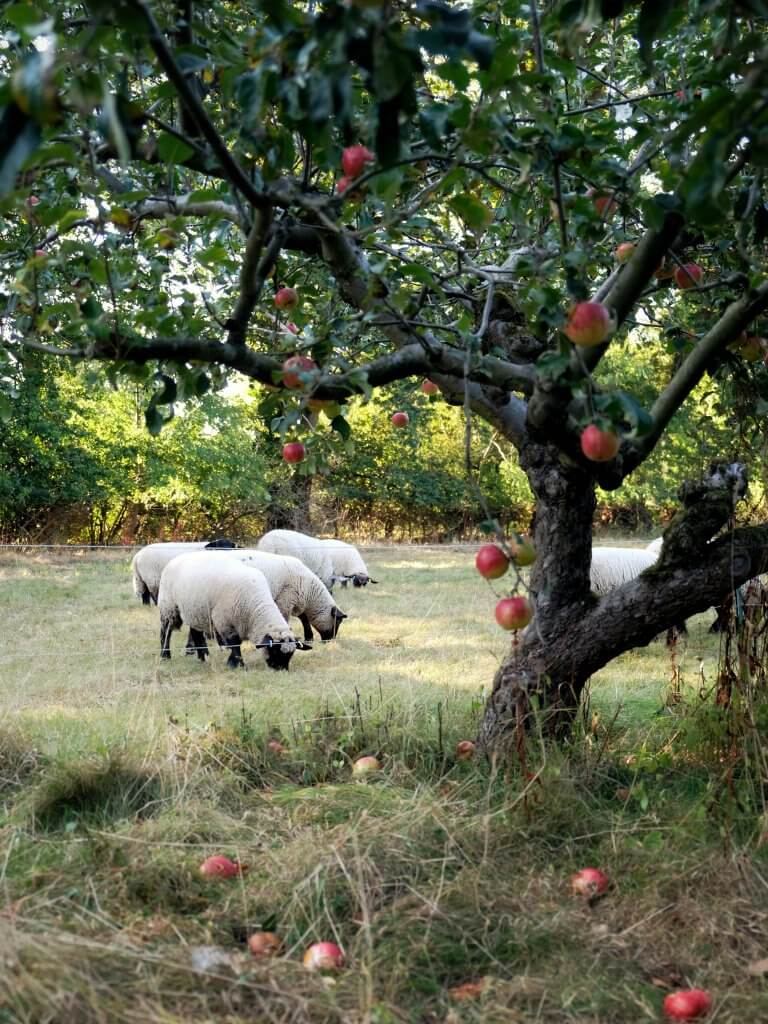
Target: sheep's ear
266, 641
338, 614
370, 580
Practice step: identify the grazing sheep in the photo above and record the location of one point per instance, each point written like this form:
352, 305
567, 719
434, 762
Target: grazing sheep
299, 545
226, 599
332, 561
613, 566
148, 563
655, 546
347, 563
296, 590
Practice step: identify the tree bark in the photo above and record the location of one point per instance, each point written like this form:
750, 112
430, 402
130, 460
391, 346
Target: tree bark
574, 633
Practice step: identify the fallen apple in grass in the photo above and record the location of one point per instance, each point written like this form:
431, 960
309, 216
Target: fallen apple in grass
286, 298
265, 944
687, 1004
324, 956
277, 748
220, 867
429, 387
599, 445
589, 883
400, 419
294, 451
465, 750
688, 276
491, 562
366, 766
514, 612
588, 324
293, 367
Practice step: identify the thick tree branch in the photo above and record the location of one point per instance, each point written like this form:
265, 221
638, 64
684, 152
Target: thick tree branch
736, 319
180, 206
251, 279
233, 171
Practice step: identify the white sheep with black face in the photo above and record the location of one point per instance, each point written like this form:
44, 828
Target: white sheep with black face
224, 599
296, 590
148, 563
332, 561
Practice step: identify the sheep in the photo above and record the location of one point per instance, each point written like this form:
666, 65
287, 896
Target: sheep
347, 563
226, 599
296, 590
613, 566
331, 560
148, 563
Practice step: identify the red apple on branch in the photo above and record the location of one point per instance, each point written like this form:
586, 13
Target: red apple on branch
588, 324
293, 367
523, 551
491, 562
286, 298
400, 419
624, 251
514, 612
354, 159
604, 202
294, 451
429, 387
688, 276
599, 445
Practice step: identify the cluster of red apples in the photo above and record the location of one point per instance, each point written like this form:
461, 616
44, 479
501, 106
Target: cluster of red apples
492, 562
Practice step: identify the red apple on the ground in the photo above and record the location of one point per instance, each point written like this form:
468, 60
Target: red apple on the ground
604, 202
429, 387
514, 612
599, 445
400, 419
491, 562
294, 451
589, 882
265, 944
293, 367
688, 276
523, 551
277, 748
365, 766
624, 251
354, 159
687, 1004
220, 867
286, 298
588, 324
465, 750
324, 956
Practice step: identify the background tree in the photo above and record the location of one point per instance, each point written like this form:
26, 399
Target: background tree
161, 162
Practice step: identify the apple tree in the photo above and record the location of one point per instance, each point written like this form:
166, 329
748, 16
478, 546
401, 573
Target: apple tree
490, 195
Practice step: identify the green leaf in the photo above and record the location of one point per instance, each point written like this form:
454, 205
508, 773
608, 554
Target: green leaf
475, 214
6, 408
71, 217
173, 150
340, 425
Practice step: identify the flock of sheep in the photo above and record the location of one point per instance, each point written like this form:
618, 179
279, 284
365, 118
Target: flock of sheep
232, 594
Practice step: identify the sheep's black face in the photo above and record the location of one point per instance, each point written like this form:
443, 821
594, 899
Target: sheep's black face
337, 617
360, 581
277, 658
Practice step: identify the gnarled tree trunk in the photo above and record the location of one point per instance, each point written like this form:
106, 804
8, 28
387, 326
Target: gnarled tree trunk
574, 633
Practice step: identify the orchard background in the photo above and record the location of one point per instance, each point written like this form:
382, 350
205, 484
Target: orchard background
236, 232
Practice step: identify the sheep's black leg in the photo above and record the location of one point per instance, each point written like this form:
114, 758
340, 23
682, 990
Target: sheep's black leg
232, 644
304, 620
145, 596
167, 625
196, 644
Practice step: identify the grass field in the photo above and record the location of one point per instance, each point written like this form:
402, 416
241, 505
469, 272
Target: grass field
119, 775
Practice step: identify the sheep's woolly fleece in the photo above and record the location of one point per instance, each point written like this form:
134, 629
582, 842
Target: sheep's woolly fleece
147, 566
222, 596
611, 567
313, 553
